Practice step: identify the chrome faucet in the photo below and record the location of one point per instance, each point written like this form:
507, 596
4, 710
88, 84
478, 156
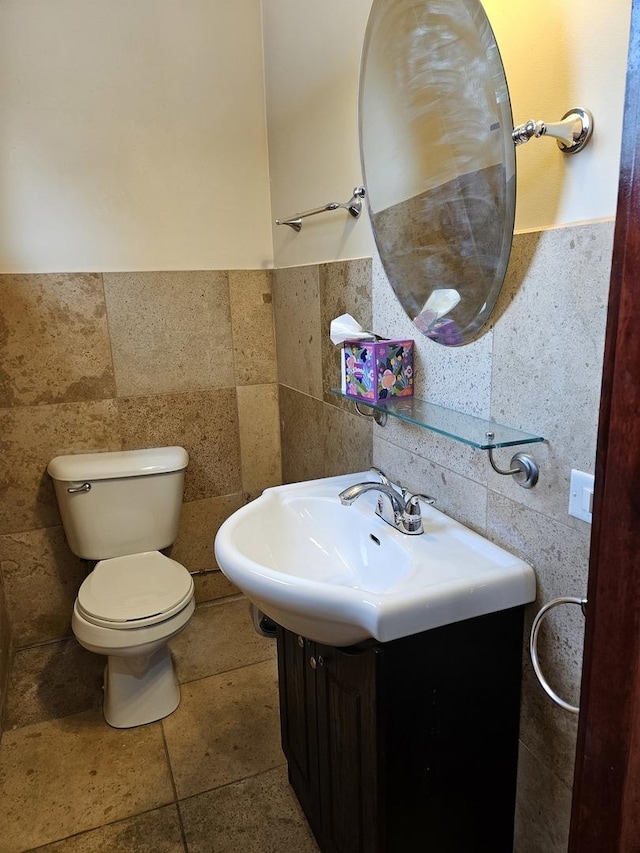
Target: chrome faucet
405, 517
348, 496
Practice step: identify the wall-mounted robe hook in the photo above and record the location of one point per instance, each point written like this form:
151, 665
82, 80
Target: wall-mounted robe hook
572, 132
353, 206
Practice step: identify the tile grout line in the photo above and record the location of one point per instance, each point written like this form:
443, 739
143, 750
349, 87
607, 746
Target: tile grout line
213, 602
182, 684
544, 515
110, 340
219, 602
174, 788
145, 394
431, 461
55, 526
283, 763
534, 754
227, 671
207, 605
95, 828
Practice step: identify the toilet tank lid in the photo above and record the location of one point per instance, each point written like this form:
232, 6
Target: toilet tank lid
119, 463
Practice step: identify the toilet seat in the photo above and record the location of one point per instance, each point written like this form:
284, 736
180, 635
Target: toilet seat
134, 591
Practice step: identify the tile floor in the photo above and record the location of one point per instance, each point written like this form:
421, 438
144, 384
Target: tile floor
211, 778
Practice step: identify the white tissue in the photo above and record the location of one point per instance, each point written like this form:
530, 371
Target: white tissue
345, 328
437, 305
442, 301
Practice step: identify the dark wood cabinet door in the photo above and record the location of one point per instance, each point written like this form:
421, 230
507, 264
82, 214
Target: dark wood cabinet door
297, 685
408, 746
449, 719
347, 759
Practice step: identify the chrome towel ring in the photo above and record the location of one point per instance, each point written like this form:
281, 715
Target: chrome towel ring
533, 648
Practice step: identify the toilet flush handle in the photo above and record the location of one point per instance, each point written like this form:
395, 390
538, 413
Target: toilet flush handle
85, 487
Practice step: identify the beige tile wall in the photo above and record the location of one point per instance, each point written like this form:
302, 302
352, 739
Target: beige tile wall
320, 435
94, 362
537, 368
5, 652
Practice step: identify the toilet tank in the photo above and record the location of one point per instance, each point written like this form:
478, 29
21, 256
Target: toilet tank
118, 503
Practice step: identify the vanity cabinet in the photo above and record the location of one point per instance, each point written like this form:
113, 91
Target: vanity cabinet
408, 746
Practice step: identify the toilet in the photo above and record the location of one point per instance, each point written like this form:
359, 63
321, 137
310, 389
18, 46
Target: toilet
120, 508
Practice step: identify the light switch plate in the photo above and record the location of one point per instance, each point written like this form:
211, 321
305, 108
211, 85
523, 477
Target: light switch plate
581, 495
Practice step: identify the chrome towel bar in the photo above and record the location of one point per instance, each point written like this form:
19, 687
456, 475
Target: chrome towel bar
353, 206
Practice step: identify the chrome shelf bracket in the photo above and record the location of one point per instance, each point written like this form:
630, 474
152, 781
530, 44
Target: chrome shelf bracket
572, 132
353, 207
379, 417
523, 467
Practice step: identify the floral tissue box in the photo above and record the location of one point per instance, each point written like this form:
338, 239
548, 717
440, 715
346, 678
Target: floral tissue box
379, 370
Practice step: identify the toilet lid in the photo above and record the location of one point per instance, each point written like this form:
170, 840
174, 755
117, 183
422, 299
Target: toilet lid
134, 591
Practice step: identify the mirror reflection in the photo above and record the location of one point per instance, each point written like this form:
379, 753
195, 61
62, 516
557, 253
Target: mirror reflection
438, 160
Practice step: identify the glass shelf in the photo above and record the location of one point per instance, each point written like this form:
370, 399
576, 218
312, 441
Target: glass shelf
465, 428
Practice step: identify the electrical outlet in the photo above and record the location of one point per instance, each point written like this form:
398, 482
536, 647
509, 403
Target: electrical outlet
581, 495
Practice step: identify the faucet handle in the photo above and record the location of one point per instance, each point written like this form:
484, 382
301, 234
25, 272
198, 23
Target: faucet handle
412, 517
413, 504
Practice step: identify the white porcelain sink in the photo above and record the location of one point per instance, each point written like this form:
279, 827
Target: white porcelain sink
339, 574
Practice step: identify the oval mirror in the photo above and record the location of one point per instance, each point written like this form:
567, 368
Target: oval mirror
438, 160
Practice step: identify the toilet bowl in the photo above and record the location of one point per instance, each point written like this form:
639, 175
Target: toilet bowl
121, 508
128, 609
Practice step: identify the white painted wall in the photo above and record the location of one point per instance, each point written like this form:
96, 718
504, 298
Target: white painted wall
132, 135
557, 56
312, 59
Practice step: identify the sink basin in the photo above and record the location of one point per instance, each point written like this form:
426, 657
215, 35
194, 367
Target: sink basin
340, 575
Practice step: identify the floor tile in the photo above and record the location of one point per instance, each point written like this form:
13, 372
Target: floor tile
52, 681
219, 637
258, 815
226, 729
70, 775
153, 832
